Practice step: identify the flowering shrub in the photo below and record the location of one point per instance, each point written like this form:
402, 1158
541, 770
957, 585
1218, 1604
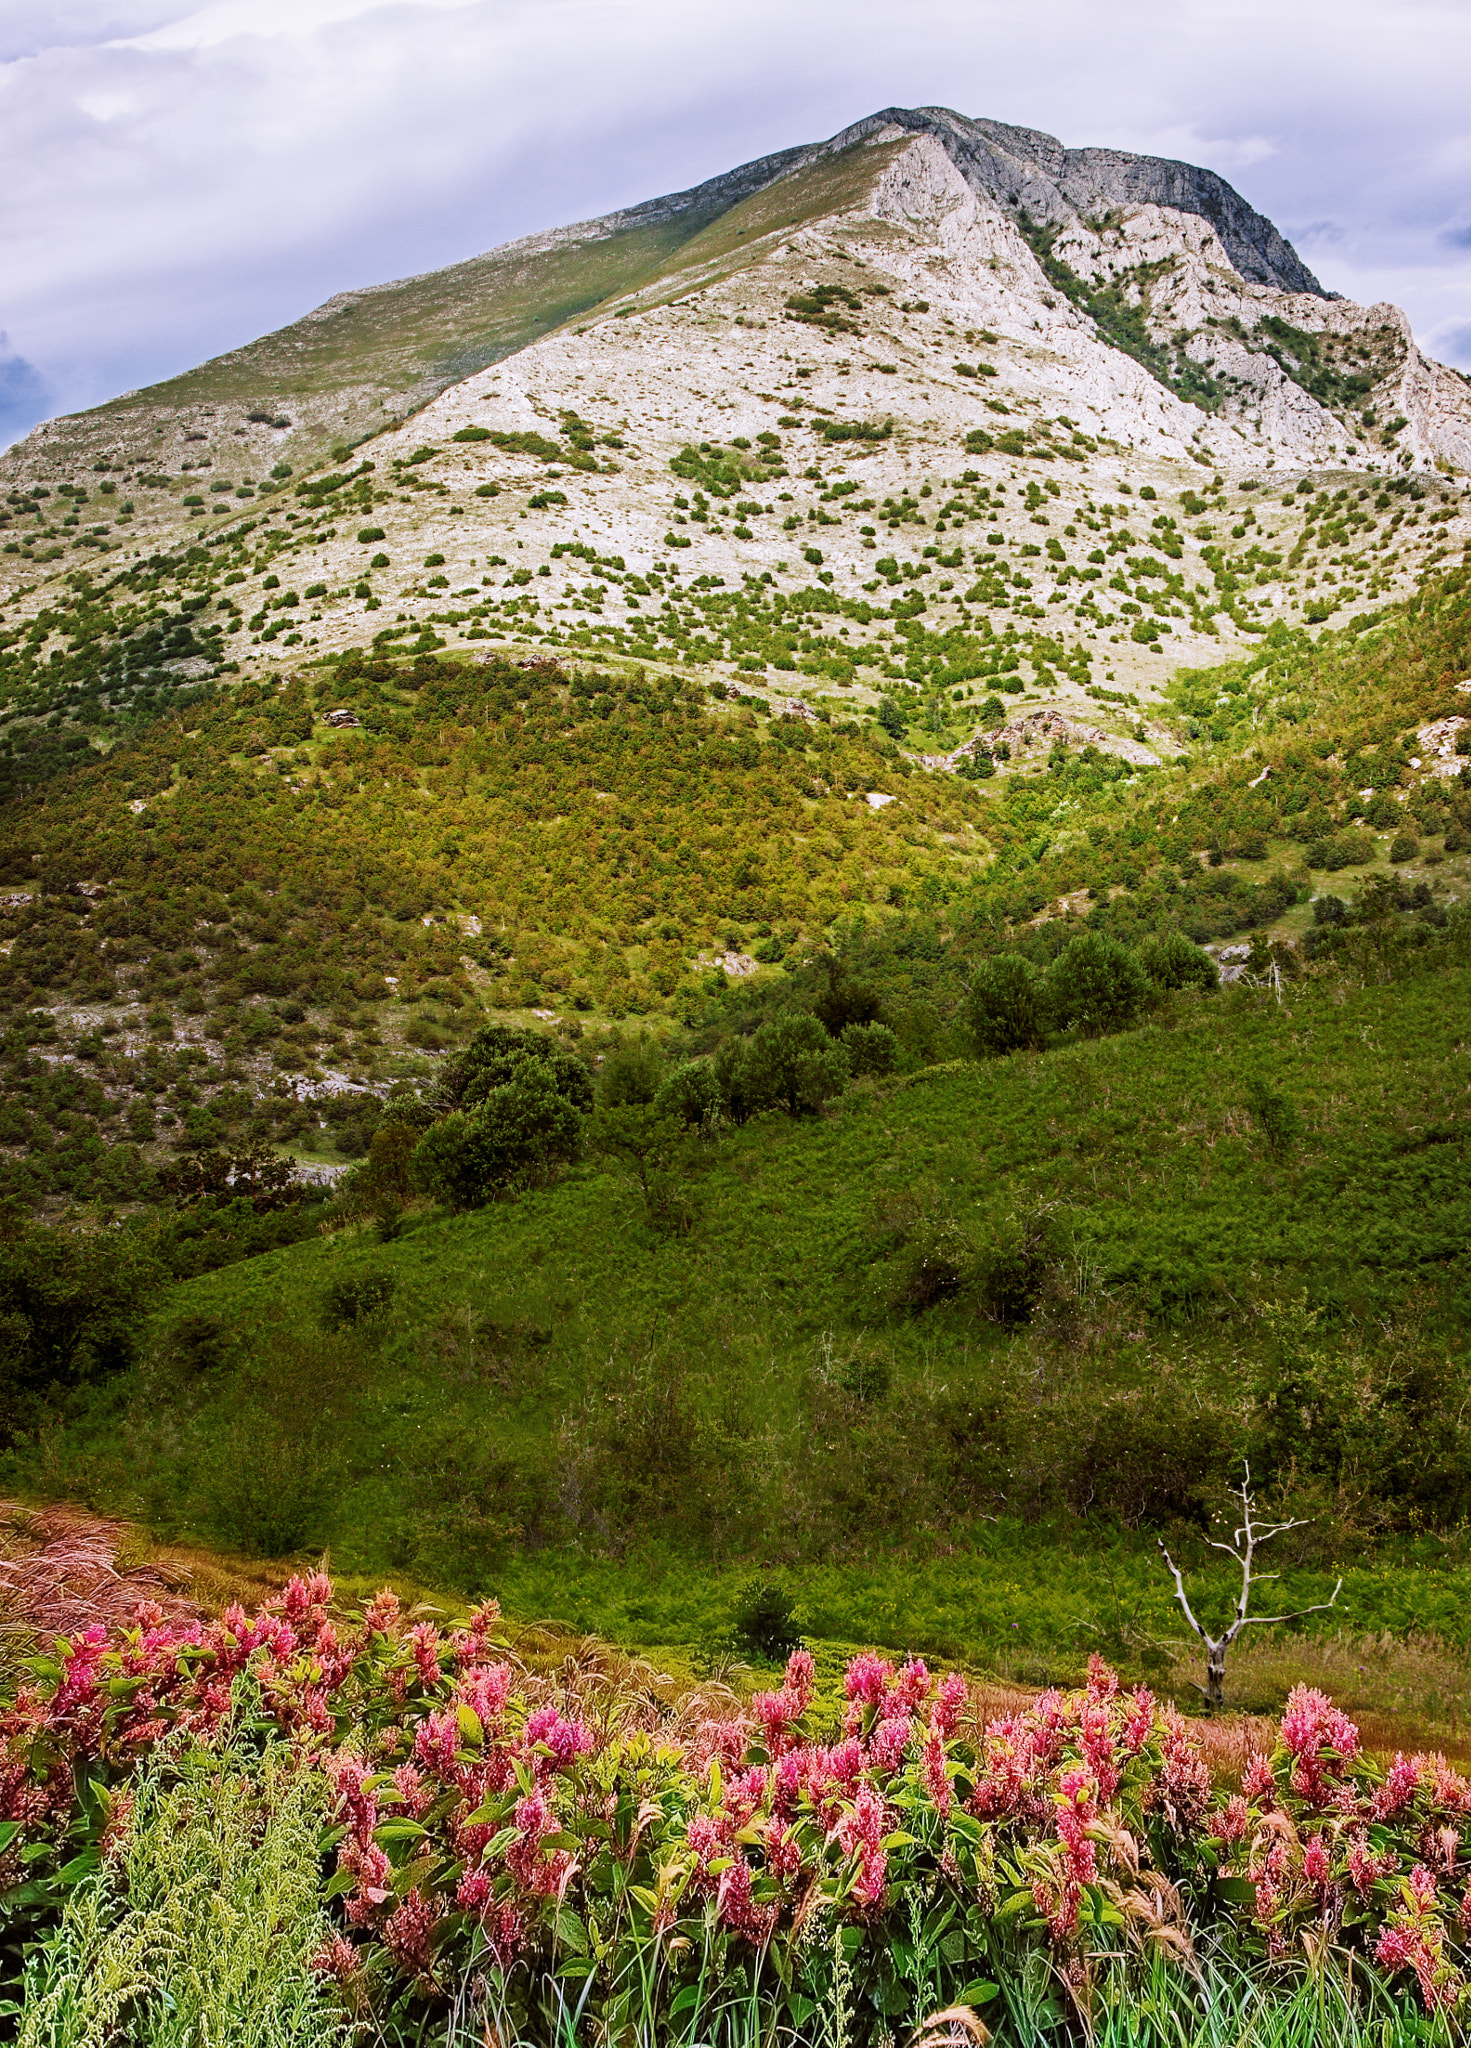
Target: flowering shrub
508, 1838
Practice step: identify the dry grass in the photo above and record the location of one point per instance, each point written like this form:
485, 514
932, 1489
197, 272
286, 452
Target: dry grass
62, 1569
1410, 1693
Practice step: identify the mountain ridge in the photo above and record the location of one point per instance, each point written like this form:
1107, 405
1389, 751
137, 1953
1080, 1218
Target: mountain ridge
1020, 168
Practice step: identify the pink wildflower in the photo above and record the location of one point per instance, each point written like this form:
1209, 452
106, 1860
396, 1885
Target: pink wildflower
861, 1833
436, 1740
1257, 1779
424, 1643
567, 1740
380, 1616
408, 1935
736, 1904
485, 1689
887, 1745
932, 1769
868, 1678
1365, 1868
336, 1958
948, 1704
1103, 1680
1232, 1821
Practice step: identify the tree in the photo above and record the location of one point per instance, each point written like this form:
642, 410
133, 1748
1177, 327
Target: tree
497, 1053
1097, 985
517, 1132
1004, 1008
1175, 961
792, 1062
1245, 1542
71, 1308
691, 1093
632, 1072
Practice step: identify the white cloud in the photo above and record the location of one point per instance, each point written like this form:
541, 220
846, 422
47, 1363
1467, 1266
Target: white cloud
183, 174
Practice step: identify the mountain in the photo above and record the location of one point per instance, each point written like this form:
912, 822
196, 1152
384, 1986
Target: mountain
871, 763
934, 526
919, 297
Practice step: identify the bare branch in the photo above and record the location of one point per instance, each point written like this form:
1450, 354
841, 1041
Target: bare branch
1277, 1620
1178, 1578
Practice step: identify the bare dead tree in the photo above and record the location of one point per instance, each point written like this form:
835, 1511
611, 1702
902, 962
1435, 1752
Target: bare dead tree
1243, 1547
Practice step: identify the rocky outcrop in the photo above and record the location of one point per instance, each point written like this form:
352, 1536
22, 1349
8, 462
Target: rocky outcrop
1026, 171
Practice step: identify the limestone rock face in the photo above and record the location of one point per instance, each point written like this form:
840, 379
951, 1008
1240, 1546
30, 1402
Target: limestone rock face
770, 377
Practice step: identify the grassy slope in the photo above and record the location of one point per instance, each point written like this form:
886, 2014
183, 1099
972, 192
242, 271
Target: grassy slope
510, 1324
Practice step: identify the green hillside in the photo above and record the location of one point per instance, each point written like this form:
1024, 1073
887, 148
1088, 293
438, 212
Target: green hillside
963, 1322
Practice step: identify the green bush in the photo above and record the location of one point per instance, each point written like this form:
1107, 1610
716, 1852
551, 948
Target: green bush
71, 1309
1173, 961
632, 1072
871, 1048
1096, 985
1278, 1119
357, 1298
762, 1623
792, 1064
691, 1093
497, 1053
1005, 1006
1403, 846
516, 1132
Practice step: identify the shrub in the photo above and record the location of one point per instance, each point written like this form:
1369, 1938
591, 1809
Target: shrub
890, 717
370, 533
1154, 1457
1403, 846
357, 1298
792, 1063
516, 1132
1005, 1004
935, 1261
1014, 1267
871, 1048
472, 434
632, 1072
691, 1093
1096, 985
71, 1308
1175, 961
496, 1054
762, 1623
1277, 1118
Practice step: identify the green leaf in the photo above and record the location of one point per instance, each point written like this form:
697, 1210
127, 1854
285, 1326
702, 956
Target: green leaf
1237, 1891
978, 1992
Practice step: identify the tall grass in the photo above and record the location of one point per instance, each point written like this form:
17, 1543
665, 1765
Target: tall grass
200, 1932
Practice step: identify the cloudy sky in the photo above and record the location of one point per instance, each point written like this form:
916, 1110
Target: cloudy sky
179, 177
